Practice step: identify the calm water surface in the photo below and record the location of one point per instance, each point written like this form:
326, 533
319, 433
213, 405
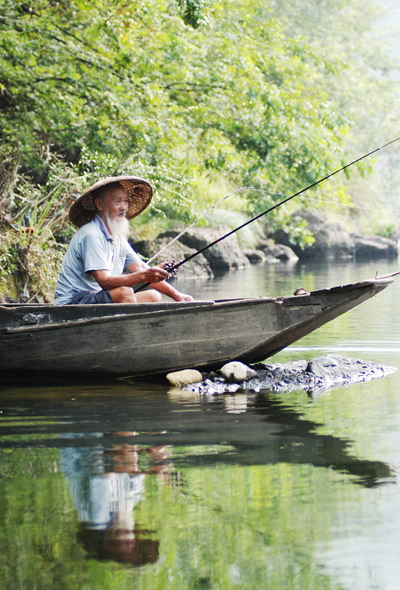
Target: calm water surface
122, 485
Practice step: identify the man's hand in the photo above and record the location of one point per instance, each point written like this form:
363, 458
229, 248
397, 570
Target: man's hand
182, 297
154, 275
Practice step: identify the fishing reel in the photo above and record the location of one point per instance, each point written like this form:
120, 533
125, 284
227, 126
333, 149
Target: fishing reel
169, 266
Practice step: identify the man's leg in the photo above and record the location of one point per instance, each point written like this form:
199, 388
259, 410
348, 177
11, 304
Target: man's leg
126, 295
91, 297
150, 296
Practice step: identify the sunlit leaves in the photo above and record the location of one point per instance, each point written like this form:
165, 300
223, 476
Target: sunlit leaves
193, 12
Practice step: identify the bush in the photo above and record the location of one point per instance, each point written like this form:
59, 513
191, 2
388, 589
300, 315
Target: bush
29, 266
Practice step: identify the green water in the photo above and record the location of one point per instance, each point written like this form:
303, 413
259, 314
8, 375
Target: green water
122, 485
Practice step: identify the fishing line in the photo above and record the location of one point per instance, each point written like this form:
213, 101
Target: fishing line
194, 222
351, 206
319, 200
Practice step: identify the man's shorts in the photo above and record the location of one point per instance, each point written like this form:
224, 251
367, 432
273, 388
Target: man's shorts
90, 297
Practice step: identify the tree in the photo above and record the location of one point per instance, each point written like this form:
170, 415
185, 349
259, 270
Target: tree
237, 98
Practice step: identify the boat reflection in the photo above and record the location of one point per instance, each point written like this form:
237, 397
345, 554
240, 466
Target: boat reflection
250, 429
261, 430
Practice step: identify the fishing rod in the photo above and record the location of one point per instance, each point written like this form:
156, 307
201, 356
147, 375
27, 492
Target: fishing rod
389, 276
174, 267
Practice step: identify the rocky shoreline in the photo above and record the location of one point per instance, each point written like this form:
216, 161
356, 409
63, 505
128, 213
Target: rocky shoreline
314, 377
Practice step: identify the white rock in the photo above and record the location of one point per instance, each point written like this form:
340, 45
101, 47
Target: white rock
237, 372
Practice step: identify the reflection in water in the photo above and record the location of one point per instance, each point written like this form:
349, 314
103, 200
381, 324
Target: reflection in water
257, 496
258, 430
106, 486
273, 433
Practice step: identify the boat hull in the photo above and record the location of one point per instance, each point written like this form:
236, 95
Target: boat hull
147, 339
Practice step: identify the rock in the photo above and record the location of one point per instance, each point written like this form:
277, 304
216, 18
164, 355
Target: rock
255, 256
198, 267
331, 239
237, 372
185, 377
282, 253
277, 252
321, 366
300, 365
315, 377
224, 256
373, 247
323, 361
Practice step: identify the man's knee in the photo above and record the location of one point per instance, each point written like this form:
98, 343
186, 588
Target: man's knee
122, 295
155, 296
148, 296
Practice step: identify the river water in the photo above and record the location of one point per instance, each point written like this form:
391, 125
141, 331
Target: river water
120, 485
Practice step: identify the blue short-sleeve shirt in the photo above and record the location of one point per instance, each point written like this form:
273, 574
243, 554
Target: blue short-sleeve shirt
91, 248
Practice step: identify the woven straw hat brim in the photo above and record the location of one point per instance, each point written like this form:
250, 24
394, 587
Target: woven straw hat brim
139, 193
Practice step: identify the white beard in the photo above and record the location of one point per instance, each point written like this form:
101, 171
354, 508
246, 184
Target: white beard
120, 228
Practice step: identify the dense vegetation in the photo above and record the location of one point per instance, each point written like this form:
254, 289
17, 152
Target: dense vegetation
199, 96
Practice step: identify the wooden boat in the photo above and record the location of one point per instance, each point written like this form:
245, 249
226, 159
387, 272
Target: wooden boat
149, 338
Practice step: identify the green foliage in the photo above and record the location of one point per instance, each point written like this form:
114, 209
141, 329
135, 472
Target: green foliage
364, 88
37, 554
197, 96
218, 529
239, 97
29, 265
388, 231
193, 12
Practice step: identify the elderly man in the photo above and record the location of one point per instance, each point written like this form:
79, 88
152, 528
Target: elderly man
100, 266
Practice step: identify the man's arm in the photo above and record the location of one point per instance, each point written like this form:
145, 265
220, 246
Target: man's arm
136, 276
161, 285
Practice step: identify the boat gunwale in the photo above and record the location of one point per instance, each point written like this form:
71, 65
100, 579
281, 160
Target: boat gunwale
137, 315
169, 308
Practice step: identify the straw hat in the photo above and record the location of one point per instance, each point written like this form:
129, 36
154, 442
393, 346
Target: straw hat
139, 192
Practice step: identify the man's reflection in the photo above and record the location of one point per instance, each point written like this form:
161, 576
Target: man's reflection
106, 486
